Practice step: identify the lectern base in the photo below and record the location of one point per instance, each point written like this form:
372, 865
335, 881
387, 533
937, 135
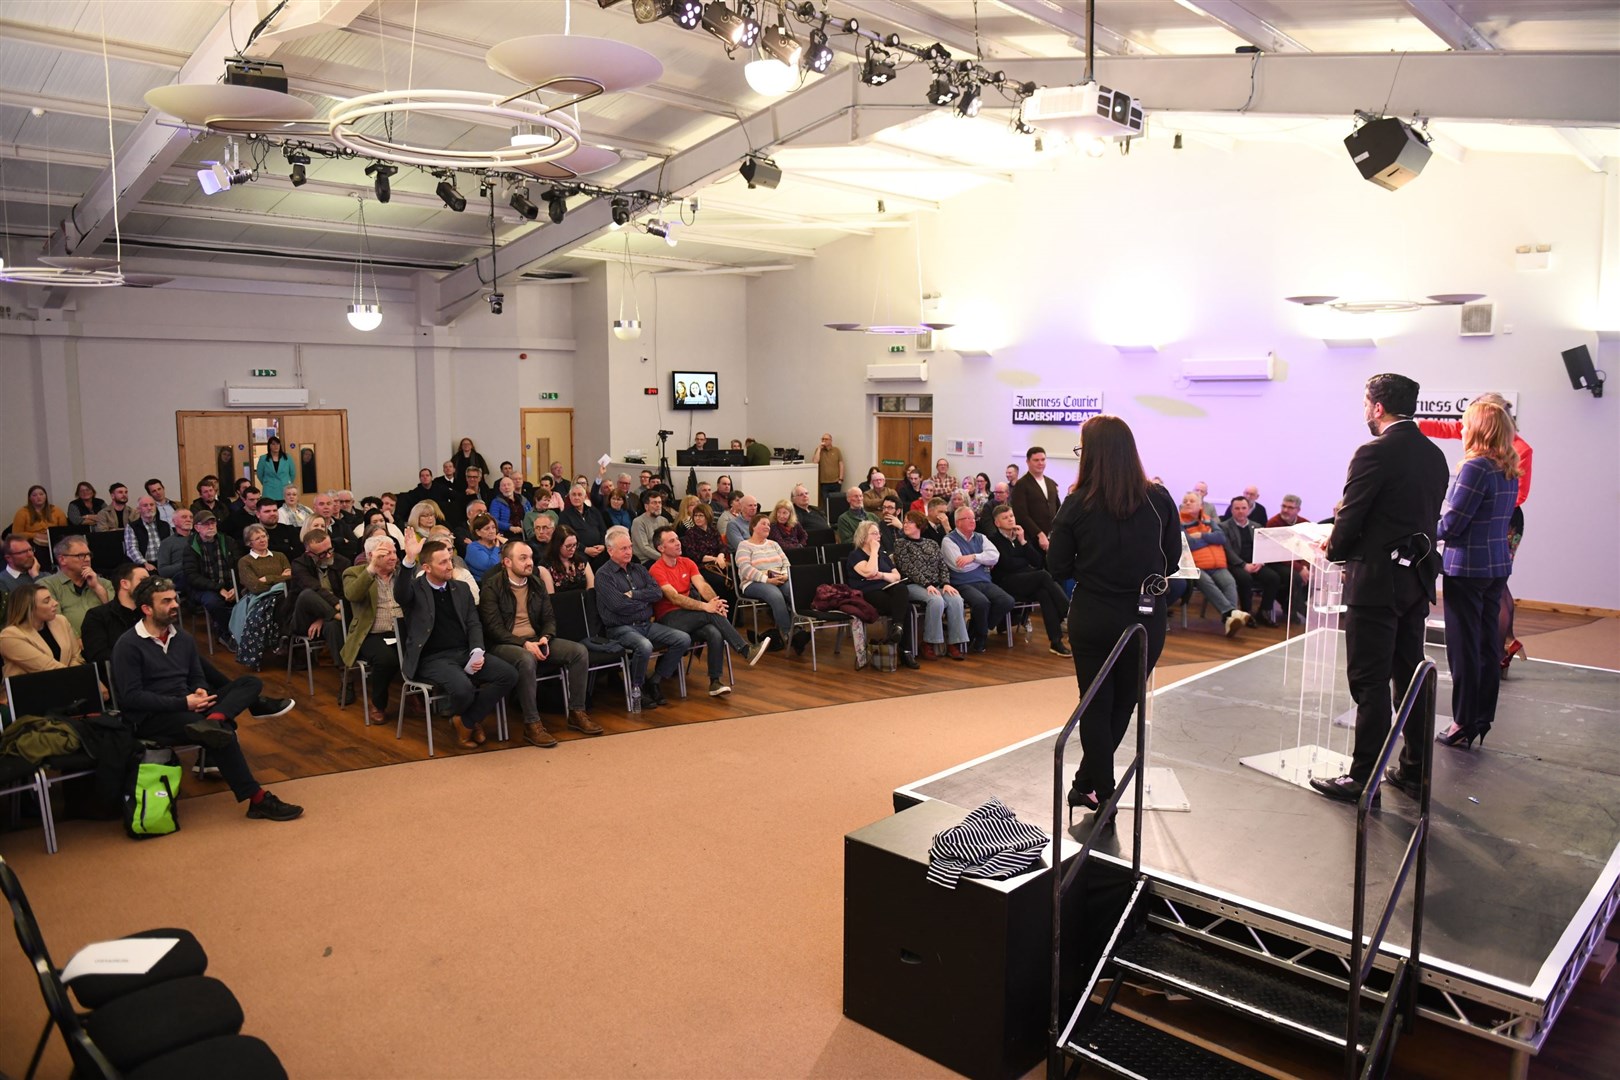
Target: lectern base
1298, 765
1161, 790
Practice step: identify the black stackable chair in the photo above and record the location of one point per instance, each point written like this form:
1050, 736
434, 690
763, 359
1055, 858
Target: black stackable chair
577, 621
802, 584
75, 690
106, 551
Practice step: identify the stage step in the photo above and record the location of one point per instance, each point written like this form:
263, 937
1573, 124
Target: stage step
1301, 1006
1131, 1048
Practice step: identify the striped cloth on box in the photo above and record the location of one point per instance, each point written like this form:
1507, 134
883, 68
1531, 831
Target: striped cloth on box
990, 843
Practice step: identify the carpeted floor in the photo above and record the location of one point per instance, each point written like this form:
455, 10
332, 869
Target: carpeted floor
663, 905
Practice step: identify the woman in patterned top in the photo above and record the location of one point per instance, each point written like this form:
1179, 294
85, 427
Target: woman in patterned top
703, 545
565, 567
929, 583
762, 570
785, 527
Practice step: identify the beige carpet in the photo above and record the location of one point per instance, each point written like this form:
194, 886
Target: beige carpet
1597, 644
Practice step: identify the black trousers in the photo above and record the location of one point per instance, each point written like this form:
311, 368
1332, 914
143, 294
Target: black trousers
1095, 623
472, 697
1265, 578
1383, 647
895, 602
382, 663
1038, 585
1474, 648
233, 698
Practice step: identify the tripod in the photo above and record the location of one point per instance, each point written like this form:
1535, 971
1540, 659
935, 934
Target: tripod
664, 475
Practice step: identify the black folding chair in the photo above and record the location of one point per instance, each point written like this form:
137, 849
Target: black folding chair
73, 691
805, 556
836, 553
173, 1021
576, 614
106, 551
821, 537
802, 584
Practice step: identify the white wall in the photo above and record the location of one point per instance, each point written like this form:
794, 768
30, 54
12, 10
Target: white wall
1194, 250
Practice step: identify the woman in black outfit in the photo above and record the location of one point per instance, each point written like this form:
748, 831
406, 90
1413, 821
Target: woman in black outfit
465, 457
1118, 535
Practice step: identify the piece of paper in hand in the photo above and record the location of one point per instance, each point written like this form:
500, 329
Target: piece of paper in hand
126, 956
603, 460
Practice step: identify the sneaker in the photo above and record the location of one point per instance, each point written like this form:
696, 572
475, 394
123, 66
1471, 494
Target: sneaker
1234, 622
651, 695
209, 772
265, 708
271, 808
210, 733
581, 721
1057, 648
757, 650
716, 688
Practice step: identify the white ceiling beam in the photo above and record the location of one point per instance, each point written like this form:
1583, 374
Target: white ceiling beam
54, 154
306, 18
740, 271
787, 219
816, 107
1444, 22
1572, 89
151, 148
887, 194
1582, 147
93, 110
1073, 23
910, 20
698, 234
1245, 24
90, 44
670, 262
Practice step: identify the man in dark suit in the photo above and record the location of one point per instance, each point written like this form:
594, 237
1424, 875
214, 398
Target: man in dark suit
1384, 535
444, 640
1034, 499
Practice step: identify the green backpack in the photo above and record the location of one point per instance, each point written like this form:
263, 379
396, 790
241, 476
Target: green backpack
151, 795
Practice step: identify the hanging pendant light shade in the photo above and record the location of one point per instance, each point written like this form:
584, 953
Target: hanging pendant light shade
364, 314
627, 329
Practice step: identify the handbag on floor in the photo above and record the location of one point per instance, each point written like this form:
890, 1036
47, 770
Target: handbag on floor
150, 801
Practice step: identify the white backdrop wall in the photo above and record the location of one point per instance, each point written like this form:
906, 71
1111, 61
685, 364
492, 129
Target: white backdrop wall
1193, 251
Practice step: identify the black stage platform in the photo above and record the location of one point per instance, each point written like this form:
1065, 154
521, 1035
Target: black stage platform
1524, 853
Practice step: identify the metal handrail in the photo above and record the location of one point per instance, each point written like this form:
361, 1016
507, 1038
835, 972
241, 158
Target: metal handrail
1061, 879
1420, 694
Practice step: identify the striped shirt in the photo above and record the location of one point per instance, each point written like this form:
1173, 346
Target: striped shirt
756, 561
990, 843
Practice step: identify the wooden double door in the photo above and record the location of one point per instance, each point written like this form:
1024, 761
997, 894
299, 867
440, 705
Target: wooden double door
228, 445
902, 441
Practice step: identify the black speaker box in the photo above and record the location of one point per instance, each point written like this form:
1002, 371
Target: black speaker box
1388, 152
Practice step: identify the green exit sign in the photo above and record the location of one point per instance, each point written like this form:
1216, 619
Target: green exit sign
263, 372
548, 395
897, 348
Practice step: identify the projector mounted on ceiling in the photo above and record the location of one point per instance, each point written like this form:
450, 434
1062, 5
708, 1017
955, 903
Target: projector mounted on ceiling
1088, 111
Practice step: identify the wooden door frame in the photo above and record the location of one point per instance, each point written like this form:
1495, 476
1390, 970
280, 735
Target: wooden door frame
181, 415
523, 413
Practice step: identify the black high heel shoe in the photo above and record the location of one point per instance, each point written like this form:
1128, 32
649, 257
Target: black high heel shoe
1081, 798
1461, 735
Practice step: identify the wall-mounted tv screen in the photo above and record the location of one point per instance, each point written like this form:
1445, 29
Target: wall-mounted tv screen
695, 389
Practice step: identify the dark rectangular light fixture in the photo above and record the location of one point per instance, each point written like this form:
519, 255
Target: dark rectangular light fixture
760, 172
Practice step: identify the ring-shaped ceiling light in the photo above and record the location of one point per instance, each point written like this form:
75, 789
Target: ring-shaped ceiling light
577, 67
236, 109
563, 135
56, 277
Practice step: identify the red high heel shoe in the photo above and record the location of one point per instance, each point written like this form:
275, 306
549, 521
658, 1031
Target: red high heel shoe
1515, 647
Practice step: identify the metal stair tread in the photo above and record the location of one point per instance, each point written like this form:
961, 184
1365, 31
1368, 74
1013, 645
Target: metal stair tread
1133, 1048
1310, 1009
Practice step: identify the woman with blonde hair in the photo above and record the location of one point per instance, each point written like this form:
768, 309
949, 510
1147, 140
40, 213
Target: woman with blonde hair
785, 527
37, 636
1474, 523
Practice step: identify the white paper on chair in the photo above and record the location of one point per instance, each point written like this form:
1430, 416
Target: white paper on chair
126, 956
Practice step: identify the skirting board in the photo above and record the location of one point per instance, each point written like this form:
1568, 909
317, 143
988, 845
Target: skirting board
1568, 609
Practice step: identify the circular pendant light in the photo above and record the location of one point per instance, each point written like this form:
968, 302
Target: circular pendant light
237, 109
769, 77
365, 316
559, 134
579, 67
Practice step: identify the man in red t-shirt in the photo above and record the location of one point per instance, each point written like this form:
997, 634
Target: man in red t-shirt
704, 620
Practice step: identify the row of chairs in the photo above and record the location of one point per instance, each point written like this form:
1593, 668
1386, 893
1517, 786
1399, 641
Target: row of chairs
171, 1022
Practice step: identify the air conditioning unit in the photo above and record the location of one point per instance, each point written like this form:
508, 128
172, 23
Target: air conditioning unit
1477, 320
1089, 111
266, 397
1255, 369
917, 372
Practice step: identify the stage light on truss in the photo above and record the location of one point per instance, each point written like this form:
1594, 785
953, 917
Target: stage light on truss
556, 204
519, 201
967, 105
620, 209
299, 161
380, 171
819, 56
446, 190
688, 14
941, 92
778, 42
877, 69
734, 29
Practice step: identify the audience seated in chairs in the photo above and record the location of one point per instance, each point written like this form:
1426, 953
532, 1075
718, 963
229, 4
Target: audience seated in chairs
1021, 571
626, 595
807, 512
171, 553
642, 528
313, 593
106, 623
37, 636
736, 524
117, 514
164, 696
928, 577
22, 565
144, 535
586, 523
281, 539
850, 518
1294, 575
209, 559
703, 617
36, 516
971, 558
75, 585
762, 574
507, 507
483, 554
369, 589
520, 628
1208, 546
703, 544
444, 639
869, 569
84, 507
786, 529
1239, 529
292, 511
565, 567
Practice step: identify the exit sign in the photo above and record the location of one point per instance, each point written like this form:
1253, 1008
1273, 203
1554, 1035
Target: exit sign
548, 395
897, 348
263, 372
650, 391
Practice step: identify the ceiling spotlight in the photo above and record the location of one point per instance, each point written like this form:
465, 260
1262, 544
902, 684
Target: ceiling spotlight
760, 172
892, 41
779, 42
878, 68
520, 202
620, 208
936, 51
940, 92
688, 14
664, 230
556, 206
380, 171
1096, 148
769, 77
852, 26
819, 56
215, 178
298, 160
734, 29
968, 104
447, 192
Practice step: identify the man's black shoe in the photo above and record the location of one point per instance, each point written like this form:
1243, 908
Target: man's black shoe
210, 733
271, 808
1344, 788
1406, 779
266, 707
652, 695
